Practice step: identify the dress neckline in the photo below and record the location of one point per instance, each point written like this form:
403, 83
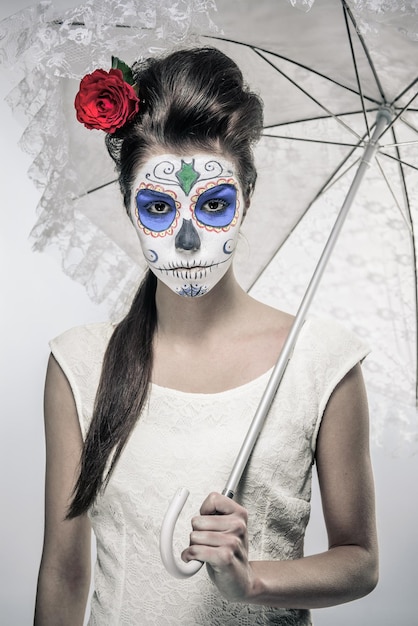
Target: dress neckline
159, 389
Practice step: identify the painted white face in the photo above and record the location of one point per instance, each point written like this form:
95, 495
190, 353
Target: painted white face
187, 213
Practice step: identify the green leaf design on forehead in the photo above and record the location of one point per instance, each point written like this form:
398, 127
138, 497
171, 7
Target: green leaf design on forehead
187, 176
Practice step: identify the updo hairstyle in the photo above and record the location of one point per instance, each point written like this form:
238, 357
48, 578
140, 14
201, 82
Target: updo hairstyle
191, 100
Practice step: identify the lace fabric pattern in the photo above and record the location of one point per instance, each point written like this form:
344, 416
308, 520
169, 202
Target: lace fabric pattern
190, 440
52, 51
376, 16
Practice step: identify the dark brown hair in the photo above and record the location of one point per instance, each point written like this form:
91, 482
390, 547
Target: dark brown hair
192, 99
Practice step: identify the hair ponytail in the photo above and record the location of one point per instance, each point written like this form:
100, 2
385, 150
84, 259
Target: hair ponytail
121, 395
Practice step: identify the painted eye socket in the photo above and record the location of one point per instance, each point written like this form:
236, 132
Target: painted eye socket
216, 206
156, 211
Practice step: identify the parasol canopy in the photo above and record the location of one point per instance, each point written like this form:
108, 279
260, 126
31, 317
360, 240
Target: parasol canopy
324, 68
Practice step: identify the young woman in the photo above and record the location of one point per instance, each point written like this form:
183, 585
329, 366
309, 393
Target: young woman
165, 397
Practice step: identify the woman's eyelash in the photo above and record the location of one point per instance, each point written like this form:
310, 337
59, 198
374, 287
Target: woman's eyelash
152, 206
219, 201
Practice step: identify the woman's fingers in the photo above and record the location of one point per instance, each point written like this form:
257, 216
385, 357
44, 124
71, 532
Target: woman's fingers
217, 556
232, 523
217, 503
219, 533
215, 548
215, 539
219, 539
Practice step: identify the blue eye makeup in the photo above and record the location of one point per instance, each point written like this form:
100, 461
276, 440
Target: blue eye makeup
156, 210
216, 206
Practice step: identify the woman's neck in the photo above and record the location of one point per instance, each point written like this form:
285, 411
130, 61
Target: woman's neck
189, 319
215, 342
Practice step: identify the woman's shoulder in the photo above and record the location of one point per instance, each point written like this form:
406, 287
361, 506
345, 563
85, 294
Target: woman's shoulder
86, 343
79, 352
321, 342
328, 336
324, 353
320, 336
96, 333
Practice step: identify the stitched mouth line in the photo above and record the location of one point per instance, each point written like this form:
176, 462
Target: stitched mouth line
190, 271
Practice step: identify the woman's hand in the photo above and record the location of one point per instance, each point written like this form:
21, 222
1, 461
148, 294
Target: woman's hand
219, 538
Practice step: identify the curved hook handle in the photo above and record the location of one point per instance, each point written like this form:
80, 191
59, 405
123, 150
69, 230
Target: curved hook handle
178, 569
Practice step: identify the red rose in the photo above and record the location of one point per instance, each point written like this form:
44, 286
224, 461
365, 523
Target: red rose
105, 101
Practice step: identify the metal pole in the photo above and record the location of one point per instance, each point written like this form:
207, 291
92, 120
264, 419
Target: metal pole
383, 119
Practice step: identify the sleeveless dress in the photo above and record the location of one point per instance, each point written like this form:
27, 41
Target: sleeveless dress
191, 440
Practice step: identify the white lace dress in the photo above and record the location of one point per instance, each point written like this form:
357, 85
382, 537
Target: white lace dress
191, 439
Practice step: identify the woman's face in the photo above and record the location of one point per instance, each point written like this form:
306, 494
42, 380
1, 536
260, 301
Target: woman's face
187, 212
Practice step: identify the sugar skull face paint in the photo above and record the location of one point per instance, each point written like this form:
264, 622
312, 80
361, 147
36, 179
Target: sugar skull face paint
187, 213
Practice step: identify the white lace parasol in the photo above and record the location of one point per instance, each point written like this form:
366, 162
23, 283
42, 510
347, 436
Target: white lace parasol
91, 233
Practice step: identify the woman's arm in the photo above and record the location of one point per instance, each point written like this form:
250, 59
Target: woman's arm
64, 575
349, 568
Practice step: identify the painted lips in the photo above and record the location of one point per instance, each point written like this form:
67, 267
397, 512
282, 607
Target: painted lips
188, 273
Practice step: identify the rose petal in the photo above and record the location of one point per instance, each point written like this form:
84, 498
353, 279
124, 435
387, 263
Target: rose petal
105, 101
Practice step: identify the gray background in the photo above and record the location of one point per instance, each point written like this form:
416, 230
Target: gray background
39, 302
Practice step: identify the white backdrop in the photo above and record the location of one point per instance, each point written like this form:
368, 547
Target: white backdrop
39, 302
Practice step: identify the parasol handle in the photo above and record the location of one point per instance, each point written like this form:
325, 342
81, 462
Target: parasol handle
175, 567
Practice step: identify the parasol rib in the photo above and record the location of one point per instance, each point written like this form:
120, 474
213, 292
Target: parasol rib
353, 56
332, 181
319, 117
393, 194
390, 156
408, 123
393, 145
324, 142
366, 51
310, 96
404, 91
414, 255
293, 62
398, 115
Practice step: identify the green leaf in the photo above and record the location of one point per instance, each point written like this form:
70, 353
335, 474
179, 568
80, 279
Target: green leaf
118, 64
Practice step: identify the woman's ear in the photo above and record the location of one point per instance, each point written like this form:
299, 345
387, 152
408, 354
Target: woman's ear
247, 198
247, 202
